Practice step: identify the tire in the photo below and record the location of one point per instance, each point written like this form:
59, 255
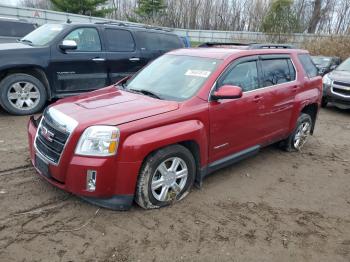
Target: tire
324, 102
27, 92
157, 171
304, 124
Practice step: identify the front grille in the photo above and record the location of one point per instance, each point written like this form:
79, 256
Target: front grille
341, 91
341, 83
50, 140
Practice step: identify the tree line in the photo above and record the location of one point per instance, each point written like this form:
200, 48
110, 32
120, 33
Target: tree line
272, 16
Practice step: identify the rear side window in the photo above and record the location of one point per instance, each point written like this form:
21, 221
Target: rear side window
119, 40
309, 67
154, 42
15, 29
277, 71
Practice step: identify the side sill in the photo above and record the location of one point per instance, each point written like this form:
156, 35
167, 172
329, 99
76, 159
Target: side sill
224, 162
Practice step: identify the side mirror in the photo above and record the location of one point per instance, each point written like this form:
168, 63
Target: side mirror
227, 92
68, 45
333, 67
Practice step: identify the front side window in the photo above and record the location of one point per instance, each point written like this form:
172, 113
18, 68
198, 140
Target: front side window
244, 75
309, 67
119, 40
277, 71
87, 39
173, 77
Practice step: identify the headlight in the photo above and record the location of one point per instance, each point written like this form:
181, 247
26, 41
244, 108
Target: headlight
98, 141
326, 80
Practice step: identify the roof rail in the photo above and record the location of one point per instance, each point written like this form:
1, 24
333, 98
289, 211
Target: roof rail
211, 44
126, 24
268, 46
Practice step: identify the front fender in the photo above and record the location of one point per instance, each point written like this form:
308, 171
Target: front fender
138, 146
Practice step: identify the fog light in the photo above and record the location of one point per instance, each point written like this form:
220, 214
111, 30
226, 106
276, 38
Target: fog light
91, 180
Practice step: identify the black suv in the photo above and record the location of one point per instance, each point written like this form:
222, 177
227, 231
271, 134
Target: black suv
12, 29
58, 60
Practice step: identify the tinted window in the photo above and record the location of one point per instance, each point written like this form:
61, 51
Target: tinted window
15, 29
277, 71
309, 67
169, 42
244, 75
120, 40
87, 39
153, 41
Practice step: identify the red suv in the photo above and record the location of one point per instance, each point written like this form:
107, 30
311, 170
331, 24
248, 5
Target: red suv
149, 138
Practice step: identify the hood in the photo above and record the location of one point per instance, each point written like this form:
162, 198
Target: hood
342, 76
112, 106
13, 46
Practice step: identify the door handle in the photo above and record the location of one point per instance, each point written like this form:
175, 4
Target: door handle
257, 99
134, 59
98, 59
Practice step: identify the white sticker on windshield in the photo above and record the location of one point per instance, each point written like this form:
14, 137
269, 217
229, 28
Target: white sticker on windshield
198, 73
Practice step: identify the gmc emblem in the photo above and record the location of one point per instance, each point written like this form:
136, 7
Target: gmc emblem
46, 134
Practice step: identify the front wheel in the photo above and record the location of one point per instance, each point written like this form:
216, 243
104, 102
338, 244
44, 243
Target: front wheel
22, 94
298, 138
166, 176
324, 102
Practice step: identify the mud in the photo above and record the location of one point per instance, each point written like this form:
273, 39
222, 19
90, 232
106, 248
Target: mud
276, 206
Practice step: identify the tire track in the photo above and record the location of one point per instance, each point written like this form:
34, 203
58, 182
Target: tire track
15, 170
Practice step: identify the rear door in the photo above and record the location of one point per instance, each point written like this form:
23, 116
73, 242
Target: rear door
280, 87
79, 70
123, 56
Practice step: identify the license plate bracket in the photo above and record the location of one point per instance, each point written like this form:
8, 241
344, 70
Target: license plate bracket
42, 166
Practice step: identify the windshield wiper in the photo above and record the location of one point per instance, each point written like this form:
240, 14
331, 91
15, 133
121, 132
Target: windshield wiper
146, 92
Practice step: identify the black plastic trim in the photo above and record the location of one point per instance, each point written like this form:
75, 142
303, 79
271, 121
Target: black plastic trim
117, 202
226, 161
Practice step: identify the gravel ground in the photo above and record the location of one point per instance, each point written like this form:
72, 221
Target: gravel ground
276, 206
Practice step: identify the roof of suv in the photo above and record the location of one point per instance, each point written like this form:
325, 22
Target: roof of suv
223, 53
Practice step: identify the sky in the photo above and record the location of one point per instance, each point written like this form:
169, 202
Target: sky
9, 2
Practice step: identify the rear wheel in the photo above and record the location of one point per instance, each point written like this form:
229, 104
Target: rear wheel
22, 94
298, 138
166, 176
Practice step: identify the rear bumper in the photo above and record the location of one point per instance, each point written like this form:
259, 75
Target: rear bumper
115, 183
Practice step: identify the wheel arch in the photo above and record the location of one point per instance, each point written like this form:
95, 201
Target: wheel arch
191, 134
34, 71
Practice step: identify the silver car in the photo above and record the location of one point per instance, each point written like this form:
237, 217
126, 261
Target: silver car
336, 86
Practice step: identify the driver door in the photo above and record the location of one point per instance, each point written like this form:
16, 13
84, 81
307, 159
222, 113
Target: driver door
236, 124
82, 69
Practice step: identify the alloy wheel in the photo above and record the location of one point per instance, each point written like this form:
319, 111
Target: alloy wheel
23, 95
169, 179
301, 135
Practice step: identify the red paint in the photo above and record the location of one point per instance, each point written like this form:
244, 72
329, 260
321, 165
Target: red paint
220, 127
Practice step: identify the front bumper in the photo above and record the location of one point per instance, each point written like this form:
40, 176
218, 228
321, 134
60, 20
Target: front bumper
339, 100
115, 183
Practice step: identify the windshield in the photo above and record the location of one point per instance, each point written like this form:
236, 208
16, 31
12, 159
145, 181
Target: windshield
345, 66
321, 61
173, 77
43, 35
